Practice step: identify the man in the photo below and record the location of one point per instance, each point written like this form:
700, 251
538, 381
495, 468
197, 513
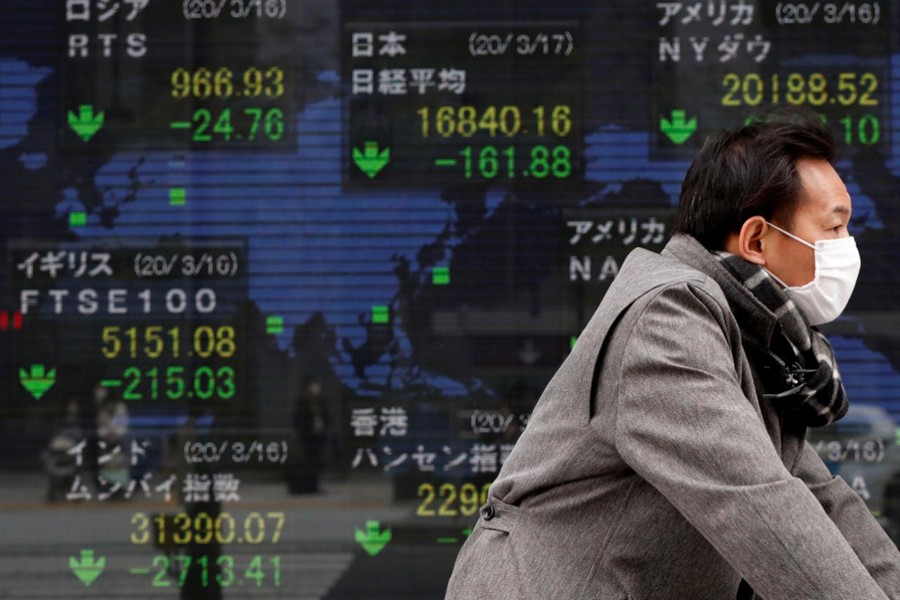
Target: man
667, 456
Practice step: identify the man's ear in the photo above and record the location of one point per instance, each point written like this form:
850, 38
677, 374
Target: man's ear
750, 240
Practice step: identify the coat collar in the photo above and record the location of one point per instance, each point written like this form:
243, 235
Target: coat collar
688, 250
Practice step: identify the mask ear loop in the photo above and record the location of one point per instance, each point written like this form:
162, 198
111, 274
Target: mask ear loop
775, 277
789, 234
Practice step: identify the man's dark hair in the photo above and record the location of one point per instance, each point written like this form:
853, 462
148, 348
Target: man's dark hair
749, 171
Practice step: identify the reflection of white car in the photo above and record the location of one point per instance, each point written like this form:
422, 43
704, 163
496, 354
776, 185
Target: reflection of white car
862, 448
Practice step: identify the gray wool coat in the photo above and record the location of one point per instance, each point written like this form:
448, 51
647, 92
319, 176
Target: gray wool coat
667, 476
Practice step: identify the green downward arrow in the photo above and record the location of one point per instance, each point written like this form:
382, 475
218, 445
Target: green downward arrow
677, 128
86, 568
86, 123
37, 380
370, 161
373, 539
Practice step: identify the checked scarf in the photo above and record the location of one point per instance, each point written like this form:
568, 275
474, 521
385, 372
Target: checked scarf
797, 364
793, 359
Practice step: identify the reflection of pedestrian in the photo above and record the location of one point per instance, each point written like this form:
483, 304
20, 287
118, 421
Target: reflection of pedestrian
113, 467
201, 582
310, 427
518, 402
59, 457
88, 419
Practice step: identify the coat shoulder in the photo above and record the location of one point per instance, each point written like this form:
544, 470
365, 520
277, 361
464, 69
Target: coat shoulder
646, 274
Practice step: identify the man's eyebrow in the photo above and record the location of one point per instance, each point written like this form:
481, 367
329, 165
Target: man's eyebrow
840, 208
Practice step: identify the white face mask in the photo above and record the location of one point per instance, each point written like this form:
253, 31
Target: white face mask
837, 267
